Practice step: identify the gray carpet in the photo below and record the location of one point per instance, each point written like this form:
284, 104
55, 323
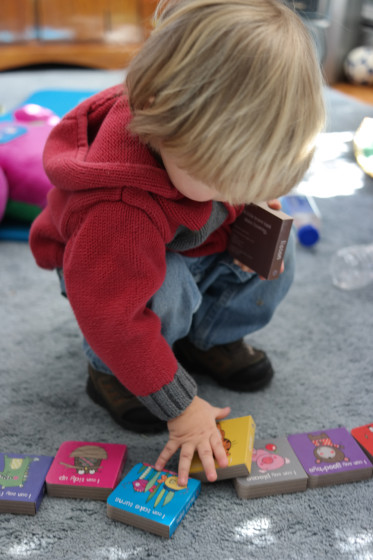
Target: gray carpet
320, 343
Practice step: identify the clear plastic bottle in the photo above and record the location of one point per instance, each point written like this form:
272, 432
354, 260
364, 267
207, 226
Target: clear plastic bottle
307, 217
352, 267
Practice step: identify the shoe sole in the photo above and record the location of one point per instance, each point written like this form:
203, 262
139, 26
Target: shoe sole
158, 426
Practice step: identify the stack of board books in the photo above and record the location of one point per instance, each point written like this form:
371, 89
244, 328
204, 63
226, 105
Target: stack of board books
22, 482
152, 500
86, 470
238, 439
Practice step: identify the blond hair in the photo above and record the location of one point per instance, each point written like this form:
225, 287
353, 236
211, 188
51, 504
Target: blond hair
233, 89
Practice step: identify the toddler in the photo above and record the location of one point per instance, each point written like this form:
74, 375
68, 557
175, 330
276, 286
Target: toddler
220, 108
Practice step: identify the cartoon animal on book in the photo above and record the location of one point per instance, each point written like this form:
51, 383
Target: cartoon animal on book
325, 450
227, 444
15, 471
87, 459
24, 184
267, 459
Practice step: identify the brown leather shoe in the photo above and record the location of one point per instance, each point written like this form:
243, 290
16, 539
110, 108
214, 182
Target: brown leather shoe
236, 365
105, 389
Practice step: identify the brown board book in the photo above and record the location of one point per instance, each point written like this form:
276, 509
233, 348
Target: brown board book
259, 238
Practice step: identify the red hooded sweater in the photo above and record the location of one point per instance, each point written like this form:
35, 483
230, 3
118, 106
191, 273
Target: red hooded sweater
111, 216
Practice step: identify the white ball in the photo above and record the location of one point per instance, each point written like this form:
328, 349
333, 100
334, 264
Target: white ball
358, 66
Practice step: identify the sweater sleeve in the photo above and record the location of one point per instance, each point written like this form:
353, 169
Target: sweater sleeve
113, 264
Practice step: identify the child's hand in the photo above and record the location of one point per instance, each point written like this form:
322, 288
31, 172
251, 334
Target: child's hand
250, 271
195, 430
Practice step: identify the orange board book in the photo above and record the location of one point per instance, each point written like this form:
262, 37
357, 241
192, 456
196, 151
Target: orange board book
238, 438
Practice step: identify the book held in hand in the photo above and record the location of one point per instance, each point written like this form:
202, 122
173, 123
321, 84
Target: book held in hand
86, 470
275, 469
259, 238
238, 439
22, 482
152, 500
330, 457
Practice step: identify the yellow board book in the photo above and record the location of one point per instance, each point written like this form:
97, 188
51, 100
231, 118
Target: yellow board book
238, 439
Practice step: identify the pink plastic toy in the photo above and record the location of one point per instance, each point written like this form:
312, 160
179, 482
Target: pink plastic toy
23, 182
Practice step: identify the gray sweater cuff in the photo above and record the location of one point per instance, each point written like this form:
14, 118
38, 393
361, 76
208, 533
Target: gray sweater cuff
170, 401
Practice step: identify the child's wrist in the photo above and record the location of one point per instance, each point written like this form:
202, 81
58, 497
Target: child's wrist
172, 399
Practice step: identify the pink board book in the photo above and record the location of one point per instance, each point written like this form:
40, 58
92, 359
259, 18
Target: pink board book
86, 470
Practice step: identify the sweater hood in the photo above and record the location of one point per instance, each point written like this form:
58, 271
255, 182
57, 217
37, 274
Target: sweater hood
92, 148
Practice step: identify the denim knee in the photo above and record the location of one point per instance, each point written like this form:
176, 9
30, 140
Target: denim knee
177, 299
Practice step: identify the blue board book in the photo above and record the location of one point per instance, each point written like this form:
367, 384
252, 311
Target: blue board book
152, 500
22, 482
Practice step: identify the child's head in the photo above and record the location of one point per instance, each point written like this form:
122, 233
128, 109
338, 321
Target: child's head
233, 90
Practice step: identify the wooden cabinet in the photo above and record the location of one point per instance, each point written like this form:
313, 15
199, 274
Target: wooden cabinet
16, 21
94, 33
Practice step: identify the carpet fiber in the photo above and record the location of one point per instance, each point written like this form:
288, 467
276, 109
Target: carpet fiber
320, 343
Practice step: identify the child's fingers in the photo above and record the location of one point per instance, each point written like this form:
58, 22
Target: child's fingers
169, 449
275, 204
185, 459
242, 266
219, 451
207, 460
222, 412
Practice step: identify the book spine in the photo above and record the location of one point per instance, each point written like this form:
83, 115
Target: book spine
174, 524
280, 249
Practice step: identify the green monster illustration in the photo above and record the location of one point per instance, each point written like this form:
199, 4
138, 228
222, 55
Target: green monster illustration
15, 471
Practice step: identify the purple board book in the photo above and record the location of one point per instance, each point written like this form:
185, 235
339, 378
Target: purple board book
330, 456
22, 482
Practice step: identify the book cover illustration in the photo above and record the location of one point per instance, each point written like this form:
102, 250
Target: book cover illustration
275, 469
330, 457
86, 470
238, 439
22, 479
364, 437
152, 500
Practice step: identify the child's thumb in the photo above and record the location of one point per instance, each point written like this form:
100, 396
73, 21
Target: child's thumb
222, 412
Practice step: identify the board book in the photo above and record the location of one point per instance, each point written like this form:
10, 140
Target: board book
275, 469
364, 437
152, 500
86, 470
22, 482
238, 440
330, 457
259, 238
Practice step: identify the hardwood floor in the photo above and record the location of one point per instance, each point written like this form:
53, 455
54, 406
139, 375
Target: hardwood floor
362, 93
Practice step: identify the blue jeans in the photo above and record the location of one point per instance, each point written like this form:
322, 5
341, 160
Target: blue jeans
213, 301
